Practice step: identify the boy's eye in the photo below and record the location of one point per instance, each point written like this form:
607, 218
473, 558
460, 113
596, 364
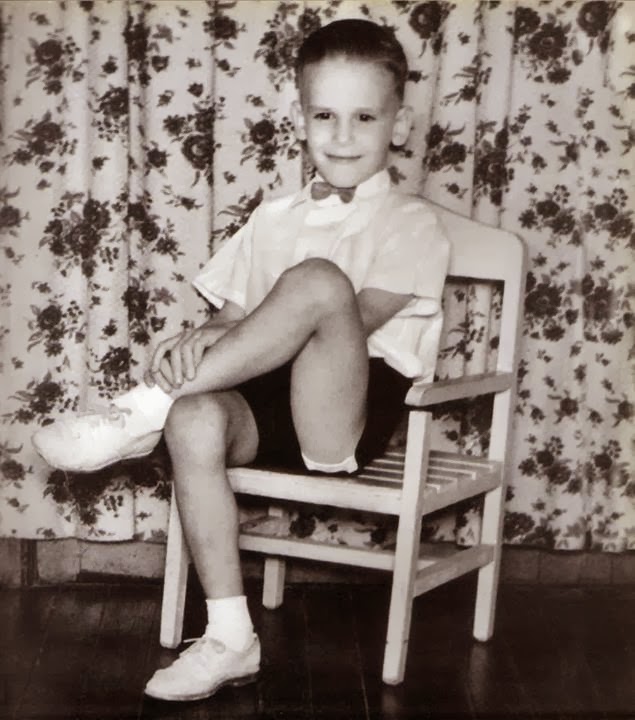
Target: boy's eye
322, 115
365, 117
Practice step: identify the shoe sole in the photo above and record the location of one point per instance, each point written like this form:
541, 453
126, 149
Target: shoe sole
92, 468
233, 682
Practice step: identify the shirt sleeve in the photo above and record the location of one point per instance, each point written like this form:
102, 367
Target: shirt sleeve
412, 258
226, 275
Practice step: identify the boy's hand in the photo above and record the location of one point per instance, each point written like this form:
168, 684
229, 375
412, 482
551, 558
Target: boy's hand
177, 358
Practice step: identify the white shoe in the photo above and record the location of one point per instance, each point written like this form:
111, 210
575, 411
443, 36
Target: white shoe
90, 441
202, 669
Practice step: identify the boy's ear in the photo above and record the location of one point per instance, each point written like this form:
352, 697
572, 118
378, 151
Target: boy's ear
402, 126
297, 118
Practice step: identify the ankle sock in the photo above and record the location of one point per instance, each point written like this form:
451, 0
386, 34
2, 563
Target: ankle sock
228, 620
150, 407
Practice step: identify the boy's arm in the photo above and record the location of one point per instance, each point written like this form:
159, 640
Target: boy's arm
378, 306
229, 314
178, 357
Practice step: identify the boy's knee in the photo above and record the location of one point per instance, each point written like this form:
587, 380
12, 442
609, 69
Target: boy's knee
192, 414
321, 282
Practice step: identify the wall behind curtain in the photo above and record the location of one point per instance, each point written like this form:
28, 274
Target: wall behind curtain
136, 137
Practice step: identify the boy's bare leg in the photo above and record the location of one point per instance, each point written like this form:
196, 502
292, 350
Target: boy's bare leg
329, 382
205, 434
311, 315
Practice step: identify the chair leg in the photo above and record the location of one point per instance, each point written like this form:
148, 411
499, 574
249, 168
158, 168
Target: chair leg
273, 587
399, 617
275, 568
487, 585
174, 581
493, 510
407, 549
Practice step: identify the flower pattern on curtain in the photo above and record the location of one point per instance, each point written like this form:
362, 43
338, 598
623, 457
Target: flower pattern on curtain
136, 137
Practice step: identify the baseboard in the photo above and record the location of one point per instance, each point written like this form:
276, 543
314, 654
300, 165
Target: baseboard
27, 562
18, 562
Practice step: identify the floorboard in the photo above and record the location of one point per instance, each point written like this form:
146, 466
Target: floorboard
286, 691
85, 652
609, 639
116, 671
55, 684
550, 655
337, 684
24, 630
435, 682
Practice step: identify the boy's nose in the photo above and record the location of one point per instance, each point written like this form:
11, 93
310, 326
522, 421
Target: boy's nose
343, 132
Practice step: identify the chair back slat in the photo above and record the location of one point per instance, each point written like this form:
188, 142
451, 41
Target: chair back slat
490, 254
480, 251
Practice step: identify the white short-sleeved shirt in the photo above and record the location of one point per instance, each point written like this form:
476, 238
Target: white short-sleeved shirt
382, 239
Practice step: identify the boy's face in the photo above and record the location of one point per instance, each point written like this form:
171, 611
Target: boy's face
349, 114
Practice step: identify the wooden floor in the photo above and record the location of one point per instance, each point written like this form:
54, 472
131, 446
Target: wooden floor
86, 650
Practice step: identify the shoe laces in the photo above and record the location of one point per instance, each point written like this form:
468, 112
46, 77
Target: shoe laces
105, 414
201, 652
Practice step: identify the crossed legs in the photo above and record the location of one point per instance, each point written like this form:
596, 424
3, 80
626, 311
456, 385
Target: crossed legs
310, 317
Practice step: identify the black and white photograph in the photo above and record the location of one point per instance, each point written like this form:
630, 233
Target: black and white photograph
317, 359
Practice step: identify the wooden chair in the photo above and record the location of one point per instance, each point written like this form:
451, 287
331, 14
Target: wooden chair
407, 484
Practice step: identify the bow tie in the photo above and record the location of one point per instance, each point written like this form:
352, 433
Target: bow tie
321, 190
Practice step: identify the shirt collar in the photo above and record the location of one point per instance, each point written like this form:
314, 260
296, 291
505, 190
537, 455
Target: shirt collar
376, 185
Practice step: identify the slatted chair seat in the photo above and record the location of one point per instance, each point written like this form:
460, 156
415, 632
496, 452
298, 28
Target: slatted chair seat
407, 484
451, 478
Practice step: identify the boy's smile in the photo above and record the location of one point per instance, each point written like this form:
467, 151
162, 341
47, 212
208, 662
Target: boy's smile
349, 114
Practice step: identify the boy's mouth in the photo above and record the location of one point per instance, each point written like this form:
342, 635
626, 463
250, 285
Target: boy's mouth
344, 158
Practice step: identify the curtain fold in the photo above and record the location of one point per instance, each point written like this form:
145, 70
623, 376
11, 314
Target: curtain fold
137, 137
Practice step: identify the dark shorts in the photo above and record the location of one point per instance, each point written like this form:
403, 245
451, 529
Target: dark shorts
269, 395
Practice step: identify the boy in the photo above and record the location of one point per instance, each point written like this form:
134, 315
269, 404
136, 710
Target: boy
311, 286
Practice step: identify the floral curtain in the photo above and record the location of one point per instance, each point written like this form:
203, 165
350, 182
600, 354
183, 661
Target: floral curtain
137, 136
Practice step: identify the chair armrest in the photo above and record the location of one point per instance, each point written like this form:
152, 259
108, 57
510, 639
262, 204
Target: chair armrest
457, 388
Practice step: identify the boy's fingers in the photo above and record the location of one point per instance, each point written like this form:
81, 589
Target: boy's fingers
163, 377
165, 371
187, 357
176, 366
199, 349
163, 383
162, 350
175, 358
157, 356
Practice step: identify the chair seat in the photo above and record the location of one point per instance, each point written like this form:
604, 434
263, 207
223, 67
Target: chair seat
450, 479
378, 488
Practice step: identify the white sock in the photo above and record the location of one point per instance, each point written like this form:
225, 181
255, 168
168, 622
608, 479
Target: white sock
150, 407
228, 620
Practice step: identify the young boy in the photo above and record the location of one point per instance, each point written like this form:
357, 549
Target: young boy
311, 286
